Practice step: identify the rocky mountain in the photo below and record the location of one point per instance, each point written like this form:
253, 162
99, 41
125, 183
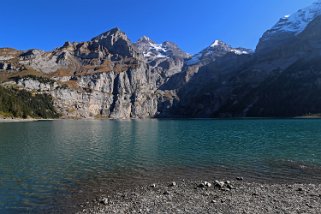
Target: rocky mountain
288, 27
111, 77
164, 59
279, 79
153, 51
216, 50
104, 77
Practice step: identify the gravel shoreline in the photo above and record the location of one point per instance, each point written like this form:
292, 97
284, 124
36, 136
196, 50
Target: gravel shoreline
18, 120
220, 196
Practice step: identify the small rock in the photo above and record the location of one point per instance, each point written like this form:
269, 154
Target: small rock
201, 185
229, 186
207, 184
153, 185
205, 194
227, 182
219, 184
166, 193
308, 205
239, 178
173, 184
104, 201
213, 201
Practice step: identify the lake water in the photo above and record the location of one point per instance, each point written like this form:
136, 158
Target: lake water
42, 160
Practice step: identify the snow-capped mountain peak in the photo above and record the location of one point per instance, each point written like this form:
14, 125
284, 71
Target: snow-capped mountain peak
217, 43
288, 27
297, 22
217, 49
153, 51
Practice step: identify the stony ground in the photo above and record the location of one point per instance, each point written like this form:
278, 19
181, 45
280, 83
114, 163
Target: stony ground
237, 196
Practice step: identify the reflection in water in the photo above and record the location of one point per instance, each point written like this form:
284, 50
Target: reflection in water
43, 159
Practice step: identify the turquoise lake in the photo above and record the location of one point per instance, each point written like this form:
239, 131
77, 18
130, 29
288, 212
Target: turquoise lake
42, 160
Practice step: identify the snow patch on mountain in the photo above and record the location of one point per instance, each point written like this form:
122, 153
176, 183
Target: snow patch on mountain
240, 51
216, 43
150, 49
153, 51
216, 49
297, 22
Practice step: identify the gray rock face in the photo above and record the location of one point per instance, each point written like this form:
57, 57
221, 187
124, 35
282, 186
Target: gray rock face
165, 60
41, 61
123, 95
7, 58
105, 77
8, 54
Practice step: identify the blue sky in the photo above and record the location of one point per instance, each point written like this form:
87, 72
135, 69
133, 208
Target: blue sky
192, 24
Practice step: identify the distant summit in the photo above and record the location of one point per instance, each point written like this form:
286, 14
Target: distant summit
297, 22
217, 49
289, 27
153, 51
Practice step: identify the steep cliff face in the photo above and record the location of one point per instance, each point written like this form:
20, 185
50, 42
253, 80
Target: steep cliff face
105, 77
165, 60
111, 95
